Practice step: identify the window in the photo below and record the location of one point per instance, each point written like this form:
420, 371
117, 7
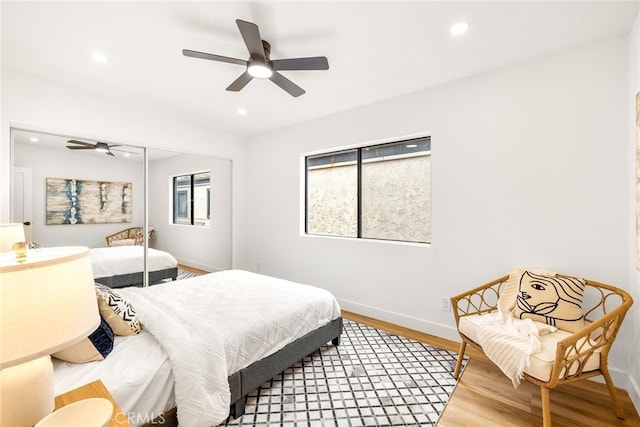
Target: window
375, 192
192, 199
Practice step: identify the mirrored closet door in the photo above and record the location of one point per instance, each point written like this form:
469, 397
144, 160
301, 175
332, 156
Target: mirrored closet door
80, 192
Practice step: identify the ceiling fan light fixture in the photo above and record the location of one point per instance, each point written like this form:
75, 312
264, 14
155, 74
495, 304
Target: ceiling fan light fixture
259, 70
101, 147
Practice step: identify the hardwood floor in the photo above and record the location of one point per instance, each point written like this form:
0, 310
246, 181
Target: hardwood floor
485, 397
191, 269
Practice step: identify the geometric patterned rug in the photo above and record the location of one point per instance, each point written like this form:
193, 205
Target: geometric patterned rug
372, 378
184, 274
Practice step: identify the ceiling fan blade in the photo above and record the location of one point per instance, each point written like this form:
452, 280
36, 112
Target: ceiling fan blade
240, 82
86, 144
286, 84
212, 57
251, 36
109, 153
313, 63
71, 147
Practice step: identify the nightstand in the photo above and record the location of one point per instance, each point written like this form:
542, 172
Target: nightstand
94, 389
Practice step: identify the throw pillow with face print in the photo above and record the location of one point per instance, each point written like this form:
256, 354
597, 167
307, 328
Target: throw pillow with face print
553, 300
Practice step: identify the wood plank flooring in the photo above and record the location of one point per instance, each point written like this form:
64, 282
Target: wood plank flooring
485, 397
192, 269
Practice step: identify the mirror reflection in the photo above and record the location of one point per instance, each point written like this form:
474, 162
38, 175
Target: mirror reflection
80, 192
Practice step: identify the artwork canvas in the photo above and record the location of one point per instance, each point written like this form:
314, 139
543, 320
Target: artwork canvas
74, 201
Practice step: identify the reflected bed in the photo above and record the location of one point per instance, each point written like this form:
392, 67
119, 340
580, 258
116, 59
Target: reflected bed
122, 266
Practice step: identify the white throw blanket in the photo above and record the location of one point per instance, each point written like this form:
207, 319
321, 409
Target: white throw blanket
507, 341
196, 352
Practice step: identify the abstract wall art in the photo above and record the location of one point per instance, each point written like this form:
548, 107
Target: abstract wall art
74, 201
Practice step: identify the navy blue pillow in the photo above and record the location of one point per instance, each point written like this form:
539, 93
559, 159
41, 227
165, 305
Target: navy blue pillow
102, 338
93, 348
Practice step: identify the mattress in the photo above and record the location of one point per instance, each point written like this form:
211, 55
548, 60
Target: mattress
118, 260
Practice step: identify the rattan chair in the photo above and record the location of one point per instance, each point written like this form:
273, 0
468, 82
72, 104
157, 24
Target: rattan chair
133, 236
578, 355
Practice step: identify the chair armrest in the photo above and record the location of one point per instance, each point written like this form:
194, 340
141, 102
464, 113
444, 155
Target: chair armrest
573, 352
483, 299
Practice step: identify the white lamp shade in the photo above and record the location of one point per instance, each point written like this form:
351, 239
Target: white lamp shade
47, 303
10, 234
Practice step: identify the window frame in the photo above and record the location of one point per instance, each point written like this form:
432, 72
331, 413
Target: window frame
304, 225
191, 220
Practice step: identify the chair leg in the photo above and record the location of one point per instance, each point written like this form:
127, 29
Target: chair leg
546, 407
463, 346
613, 392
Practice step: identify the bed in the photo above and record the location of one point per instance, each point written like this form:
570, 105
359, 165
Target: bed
121, 266
206, 343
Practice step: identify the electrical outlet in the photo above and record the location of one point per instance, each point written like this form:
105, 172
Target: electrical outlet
445, 304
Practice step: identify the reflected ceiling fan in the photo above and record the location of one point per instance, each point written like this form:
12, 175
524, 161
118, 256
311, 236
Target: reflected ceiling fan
101, 147
260, 65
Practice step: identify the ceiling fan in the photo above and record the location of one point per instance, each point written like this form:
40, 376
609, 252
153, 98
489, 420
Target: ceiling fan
101, 147
260, 65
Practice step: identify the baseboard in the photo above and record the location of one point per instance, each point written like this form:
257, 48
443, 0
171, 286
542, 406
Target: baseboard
421, 325
624, 381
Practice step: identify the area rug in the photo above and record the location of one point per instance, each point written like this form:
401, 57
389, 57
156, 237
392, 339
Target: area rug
184, 274
372, 378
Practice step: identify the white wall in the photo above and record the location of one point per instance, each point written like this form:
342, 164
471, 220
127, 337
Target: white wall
631, 347
529, 168
213, 251
39, 104
48, 163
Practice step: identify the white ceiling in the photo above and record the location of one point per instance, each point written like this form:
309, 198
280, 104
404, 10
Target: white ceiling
376, 50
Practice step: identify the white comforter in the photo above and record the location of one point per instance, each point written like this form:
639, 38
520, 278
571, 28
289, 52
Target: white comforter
116, 260
216, 324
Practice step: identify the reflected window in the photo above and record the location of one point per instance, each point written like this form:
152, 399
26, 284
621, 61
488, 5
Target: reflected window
192, 199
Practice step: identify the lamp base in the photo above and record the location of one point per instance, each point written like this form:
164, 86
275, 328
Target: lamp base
26, 393
93, 412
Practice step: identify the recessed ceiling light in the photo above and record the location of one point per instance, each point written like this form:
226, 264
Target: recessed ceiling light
241, 111
459, 28
99, 57
33, 139
127, 155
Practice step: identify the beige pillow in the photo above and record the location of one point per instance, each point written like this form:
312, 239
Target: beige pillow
117, 311
93, 348
553, 300
123, 242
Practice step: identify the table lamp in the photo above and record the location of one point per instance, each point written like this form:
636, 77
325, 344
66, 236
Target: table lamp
47, 303
9, 235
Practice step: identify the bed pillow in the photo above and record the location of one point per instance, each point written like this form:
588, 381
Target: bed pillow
117, 311
553, 300
123, 242
93, 348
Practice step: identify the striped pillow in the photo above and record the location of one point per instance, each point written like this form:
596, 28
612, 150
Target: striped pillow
117, 311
